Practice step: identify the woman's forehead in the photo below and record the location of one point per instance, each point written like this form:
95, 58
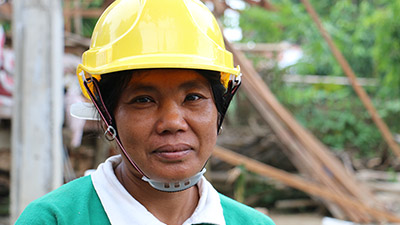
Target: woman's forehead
166, 77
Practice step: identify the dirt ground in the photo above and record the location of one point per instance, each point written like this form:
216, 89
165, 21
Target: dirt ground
279, 219
296, 219
4, 221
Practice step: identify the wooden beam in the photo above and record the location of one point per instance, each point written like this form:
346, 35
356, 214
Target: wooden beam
86, 13
262, 3
256, 87
319, 79
67, 16
299, 183
106, 3
261, 47
297, 153
78, 18
6, 11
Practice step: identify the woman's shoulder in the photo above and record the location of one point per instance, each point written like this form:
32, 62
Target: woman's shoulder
76, 200
238, 213
78, 187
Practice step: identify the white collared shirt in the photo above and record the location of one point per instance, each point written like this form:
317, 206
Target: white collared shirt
122, 208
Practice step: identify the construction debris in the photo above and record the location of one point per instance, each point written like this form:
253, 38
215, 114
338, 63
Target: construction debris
308, 154
344, 201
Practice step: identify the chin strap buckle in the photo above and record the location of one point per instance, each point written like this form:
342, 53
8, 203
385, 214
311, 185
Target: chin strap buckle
110, 133
177, 185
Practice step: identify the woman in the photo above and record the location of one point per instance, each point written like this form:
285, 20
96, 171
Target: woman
161, 80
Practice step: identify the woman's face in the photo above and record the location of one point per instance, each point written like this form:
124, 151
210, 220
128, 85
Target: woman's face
167, 122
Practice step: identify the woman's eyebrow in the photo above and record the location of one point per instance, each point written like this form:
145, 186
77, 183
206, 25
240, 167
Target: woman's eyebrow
151, 88
140, 88
194, 84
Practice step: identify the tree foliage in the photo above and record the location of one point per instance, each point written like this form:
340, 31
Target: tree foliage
368, 34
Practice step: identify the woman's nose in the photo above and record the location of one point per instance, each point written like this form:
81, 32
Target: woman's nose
171, 119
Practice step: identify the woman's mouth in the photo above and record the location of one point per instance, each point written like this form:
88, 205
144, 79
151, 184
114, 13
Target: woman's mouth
170, 153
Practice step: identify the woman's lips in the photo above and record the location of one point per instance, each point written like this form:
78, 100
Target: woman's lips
173, 152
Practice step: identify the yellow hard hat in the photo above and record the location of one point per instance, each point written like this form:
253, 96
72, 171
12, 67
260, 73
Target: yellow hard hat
143, 34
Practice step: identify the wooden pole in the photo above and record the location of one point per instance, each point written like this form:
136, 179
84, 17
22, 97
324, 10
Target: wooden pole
77, 18
38, 101
343, 181
387, 135
257, 85
299, 183
67, 15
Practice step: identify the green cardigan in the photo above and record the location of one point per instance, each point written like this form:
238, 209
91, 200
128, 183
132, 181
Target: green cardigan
78, 203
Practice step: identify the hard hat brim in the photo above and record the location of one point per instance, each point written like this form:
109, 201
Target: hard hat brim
160, 61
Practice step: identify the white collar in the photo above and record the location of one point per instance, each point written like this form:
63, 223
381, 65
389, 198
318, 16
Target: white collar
122, 208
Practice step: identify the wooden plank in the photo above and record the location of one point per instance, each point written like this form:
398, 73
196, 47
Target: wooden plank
77, 17
67, 15
370, 175
318, 79
6, 11
318, 150
301, 184
298, 154
261, 47
254, 85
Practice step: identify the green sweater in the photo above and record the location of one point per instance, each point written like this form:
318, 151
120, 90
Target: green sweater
78, 203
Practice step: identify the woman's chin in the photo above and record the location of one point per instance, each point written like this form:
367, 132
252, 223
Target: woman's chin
173, 175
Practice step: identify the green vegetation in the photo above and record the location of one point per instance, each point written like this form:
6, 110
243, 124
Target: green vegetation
368, 34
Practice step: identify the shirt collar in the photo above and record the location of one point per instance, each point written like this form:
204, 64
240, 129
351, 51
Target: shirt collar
119, 204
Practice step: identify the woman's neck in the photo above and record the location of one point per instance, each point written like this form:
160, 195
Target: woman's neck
168, 207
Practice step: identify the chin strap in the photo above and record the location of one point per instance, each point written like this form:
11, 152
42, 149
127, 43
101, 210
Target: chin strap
175, 186
111, 134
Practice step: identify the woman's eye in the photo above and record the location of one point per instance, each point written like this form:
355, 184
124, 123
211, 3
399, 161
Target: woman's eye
142, 99
193, 97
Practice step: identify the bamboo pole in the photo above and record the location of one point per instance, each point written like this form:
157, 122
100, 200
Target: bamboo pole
300, 155
312, 144
318, 150
77, 17
299, 183
67, 15
387, 135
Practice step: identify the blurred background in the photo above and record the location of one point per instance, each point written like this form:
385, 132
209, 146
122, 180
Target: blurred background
297, 111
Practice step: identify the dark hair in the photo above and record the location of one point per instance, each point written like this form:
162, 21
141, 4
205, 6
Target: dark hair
113, 84
214, 78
